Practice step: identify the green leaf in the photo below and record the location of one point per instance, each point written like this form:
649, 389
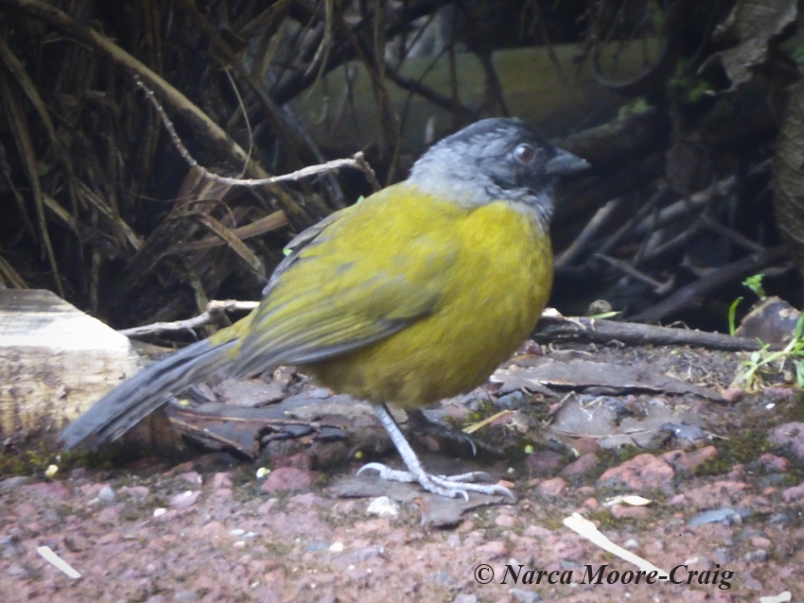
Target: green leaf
732, 312
799, 328
755, 284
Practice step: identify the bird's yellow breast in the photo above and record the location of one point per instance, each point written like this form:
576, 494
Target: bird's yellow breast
490, 294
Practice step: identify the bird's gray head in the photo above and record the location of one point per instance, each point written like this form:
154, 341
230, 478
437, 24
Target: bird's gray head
496, 159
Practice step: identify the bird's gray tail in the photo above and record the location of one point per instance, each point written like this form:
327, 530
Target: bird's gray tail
137, 397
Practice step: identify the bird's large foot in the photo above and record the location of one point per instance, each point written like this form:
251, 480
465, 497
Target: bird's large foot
443, 485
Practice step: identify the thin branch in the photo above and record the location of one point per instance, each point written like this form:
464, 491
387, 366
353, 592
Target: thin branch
592, 330
692, 293
357, 161
214, 309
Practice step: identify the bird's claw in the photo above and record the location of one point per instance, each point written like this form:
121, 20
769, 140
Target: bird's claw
450, 486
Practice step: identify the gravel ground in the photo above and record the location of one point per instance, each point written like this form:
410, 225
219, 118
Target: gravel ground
725, 513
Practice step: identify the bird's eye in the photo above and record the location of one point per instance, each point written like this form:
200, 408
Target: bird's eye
524, 153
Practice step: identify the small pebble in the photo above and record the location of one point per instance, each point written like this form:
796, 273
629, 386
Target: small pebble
723, 555
384, 507
777, 519
442, 577
725, 515
106, 494
783, 597
757, 555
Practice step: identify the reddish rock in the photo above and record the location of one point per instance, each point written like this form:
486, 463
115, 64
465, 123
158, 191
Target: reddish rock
586, 446
629, 512
553, 487
300, 460
505, 521
138, 492
570, 549
761, 542
591, 503
222, 485
222, 479
544, 463
677, 500
506, 484
345, 507
214, 528
306, 500
790, 436
111, 514
267, 508
712, 496
48, 490
643, 472
780, 394
491, 550
192, 477
582, 466
539, 532
184, 500
289, 478
687, 462
794, 494
774, 464
110, 538
737, 473
731, 395
26, 510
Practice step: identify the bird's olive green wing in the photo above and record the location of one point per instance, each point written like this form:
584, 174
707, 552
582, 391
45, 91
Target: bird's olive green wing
346, 286
298, 244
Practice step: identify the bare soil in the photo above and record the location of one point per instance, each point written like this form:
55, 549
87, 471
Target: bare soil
723, 475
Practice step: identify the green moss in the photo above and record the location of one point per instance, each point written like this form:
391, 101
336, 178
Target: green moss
604, 519
612, 457
743, 448
35, 460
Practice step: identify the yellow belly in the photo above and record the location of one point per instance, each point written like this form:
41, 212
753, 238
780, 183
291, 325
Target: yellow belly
492, 297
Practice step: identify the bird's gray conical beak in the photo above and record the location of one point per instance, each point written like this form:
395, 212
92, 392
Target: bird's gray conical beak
565, 163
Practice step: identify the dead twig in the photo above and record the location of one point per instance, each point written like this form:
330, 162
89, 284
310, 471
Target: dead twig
690, 294
591, 330
356, 161
579, 245
214, 309
628, 269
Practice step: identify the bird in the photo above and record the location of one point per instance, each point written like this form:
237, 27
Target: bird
415, 294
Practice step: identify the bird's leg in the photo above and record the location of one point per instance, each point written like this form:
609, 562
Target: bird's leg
449, 486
